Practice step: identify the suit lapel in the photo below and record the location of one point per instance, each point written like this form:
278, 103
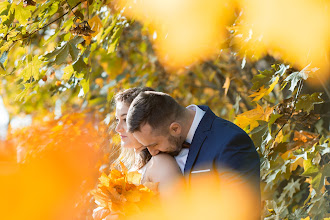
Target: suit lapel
199, 137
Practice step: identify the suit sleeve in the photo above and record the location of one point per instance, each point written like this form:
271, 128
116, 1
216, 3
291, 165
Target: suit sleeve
239, 154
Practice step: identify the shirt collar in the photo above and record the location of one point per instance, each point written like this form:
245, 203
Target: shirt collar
197, 119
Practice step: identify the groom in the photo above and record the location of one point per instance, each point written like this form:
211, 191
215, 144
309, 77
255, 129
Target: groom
201, 141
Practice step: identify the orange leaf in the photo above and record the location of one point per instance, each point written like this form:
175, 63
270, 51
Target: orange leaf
134, 177
96, 24
104, 180
226, 85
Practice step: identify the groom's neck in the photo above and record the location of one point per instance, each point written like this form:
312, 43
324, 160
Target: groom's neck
189, 116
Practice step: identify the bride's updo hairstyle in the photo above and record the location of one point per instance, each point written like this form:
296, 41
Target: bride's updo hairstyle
127, 155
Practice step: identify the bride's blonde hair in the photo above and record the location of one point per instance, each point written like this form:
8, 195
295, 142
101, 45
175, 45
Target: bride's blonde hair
127, 155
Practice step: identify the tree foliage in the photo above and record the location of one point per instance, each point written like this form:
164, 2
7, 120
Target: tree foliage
80, 53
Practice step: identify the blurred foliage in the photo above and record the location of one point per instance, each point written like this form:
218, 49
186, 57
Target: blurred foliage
82, 52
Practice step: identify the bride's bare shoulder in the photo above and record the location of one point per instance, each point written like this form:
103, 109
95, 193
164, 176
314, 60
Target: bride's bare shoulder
162, 156
161, 161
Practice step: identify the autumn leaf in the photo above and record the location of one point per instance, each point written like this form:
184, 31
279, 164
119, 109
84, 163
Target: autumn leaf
134, 177
121, 192
96, 24
104, 180
298, 162
296, 76
22, 14
32, 69
226, 85
263, 91
251, 117
306, 102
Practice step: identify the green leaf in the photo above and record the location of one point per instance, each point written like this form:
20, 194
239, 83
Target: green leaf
318, 181
52, 9
264, 78
291, 188
73, 50
22, 14
260, 135
306, 102
309, 168
3, 59
10, 18
115, 39
62, 55
273, 118
326, 170
79, 65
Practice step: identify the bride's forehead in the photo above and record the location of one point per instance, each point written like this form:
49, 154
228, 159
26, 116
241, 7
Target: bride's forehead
121, 108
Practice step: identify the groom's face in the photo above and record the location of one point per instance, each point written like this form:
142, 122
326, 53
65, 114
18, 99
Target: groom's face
156, 142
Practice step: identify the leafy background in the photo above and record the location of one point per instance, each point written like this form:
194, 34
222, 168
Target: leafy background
77, 54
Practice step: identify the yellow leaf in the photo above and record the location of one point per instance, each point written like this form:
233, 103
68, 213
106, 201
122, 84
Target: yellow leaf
294, 165
96, 25
115, 174
262, 91
243, 121
226, 85
134, 177
307, 218
288, 155
251, 117
104, 180
133, 196
123, 168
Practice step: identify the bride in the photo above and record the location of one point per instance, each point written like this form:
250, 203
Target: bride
161, 168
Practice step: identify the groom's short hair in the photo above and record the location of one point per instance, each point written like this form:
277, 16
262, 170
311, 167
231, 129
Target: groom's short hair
154, 108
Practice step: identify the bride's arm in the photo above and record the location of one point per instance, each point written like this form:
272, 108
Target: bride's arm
164, 169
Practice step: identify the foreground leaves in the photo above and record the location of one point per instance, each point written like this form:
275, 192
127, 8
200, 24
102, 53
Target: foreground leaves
120, 193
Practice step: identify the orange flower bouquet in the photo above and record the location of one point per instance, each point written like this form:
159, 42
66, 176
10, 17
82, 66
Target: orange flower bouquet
120, 194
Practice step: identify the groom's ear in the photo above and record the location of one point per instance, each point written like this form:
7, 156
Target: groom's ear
175, 129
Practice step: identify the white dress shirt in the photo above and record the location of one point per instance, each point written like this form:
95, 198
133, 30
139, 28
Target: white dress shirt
181, 158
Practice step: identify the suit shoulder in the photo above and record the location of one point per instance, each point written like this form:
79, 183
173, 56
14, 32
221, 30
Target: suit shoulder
227, 126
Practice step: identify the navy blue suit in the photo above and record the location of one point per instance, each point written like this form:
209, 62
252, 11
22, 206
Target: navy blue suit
219, 145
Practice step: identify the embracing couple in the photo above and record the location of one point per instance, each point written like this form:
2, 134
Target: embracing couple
164, 140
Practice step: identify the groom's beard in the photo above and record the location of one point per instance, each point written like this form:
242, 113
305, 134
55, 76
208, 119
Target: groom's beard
175, 142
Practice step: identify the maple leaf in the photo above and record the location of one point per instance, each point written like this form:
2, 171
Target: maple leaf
251, 117
121, 193
104, 180
306, 102
263, 91
296, 76
134, 177
96, 25
291, 188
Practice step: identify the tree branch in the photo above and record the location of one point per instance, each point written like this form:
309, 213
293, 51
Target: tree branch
293, 108
46, 25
